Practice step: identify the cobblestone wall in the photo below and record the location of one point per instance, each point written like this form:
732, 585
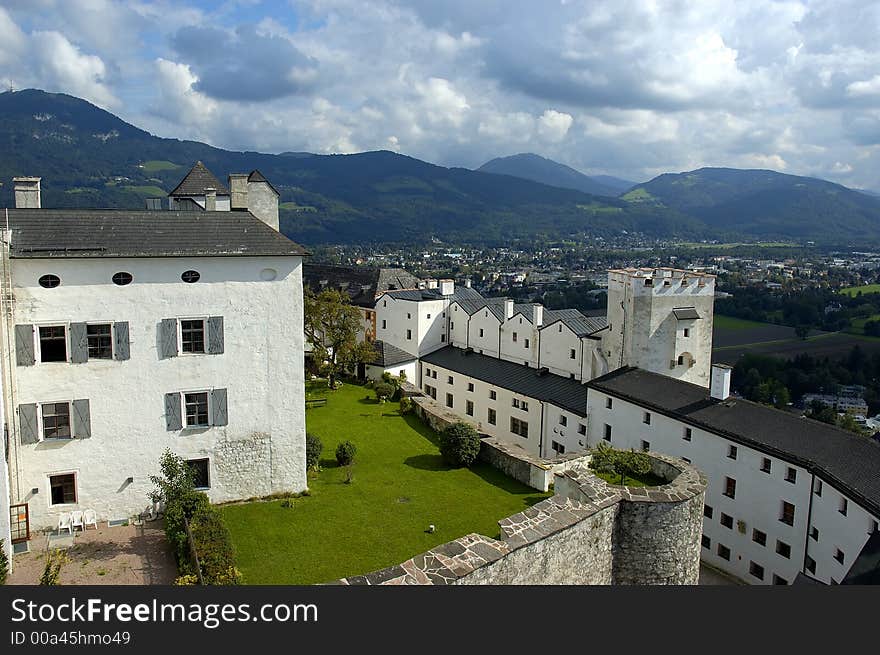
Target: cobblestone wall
245, 465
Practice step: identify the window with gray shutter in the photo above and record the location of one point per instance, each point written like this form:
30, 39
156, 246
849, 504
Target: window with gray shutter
218, 407
121, 348
82, 422
168, 338
28, 429
173, 419
215, 335
24, 345
79, 343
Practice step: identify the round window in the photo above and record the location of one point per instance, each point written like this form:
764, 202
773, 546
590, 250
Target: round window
50, 281
190, 276
122, 278
268, 274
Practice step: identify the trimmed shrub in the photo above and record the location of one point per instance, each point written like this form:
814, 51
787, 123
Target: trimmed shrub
214, 547
384, 391
406, 405
314, 448
345, 453
460, 444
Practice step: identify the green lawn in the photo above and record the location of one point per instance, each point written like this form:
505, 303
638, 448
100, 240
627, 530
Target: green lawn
400, 486
864, 288
731, 323
156, 165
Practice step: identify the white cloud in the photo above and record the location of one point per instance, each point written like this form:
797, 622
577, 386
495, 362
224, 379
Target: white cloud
864, 87
178, 101
553, 125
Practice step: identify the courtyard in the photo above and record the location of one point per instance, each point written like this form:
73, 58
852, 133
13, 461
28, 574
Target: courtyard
400, 486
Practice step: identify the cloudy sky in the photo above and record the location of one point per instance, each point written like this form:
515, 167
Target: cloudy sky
630, 89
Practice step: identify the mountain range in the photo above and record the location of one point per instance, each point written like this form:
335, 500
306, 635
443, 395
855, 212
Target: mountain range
533, 167
88, 157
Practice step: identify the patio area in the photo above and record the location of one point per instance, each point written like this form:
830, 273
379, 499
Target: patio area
122, 555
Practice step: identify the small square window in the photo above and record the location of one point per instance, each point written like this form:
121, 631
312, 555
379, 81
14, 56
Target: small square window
727, 521
756, 570
100, 341
524, 406
56, 420
687, 332
514, 337
449, 379
572, 354
409, 335
608, 403
790, 475
765, 464
759, 537
646, 445
708, 512
706, 542
201, 476
62, 489
469, 407
844, 504
778, 580
192, 336
383, 324
449, 400
783, 549
838, 555
470, 386
811, 565
818, 488
493, 395
730, 487
688, 434
558, 448
429, 316
490, 416
582, 429
787, 513
723, 552
196, 409
481, 332
563, 420
731, 452
814, 533
607, 436
53, 343
646, 418
409, 316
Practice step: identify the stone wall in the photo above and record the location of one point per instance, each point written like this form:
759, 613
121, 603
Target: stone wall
517, 463
246, 465
589, 533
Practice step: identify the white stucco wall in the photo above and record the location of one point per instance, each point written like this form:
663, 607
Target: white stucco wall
758, 498
410, 368
516, 351
4, 491
487, 344
557, 342
260, 451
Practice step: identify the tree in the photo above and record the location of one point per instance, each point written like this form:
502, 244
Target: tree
625, 463
331, 326
384, 391
802, 331
460, 444
314, 448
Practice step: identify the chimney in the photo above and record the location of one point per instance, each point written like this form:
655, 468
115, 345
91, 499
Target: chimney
447, 287
262, 199
27, 192
508, 308
538, 314
210, 199
432, 283
238, 191
720, 384
467, 283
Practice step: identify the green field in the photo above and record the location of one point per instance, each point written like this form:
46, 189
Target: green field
731, 323
147, 191
292, 206
156, 165
865, 288
400, 486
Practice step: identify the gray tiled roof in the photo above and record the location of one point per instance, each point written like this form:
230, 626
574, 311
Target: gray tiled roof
459, 293
685, 313
390, 355
257, 176
362, 283
43, 233
850, 461
197, 180
563, 392
578, 323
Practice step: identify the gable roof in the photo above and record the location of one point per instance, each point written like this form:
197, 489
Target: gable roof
581, 325
417, 295
77, 233
390, 355
362, 283
257, 176
197, 180
563, 392
850, 461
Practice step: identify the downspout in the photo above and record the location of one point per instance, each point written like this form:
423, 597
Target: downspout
583, 356
809, 519
541, 432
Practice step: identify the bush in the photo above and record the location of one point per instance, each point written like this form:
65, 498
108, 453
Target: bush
406, 405
314, 448
4, 563
55, 559
606, 459
214, 547
460, 444
384, 391
345, 453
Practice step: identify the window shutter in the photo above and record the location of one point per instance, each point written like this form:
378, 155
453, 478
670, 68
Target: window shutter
121, 348
24, 344
172, 412
28, 430
168, 338
215, 335
218, 407
82, 421
79, 343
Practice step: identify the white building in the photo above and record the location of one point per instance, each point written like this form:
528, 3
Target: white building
129, 332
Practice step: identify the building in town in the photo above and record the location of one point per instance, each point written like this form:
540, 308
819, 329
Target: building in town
126, 333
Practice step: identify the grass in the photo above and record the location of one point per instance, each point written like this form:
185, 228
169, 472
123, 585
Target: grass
156, 165
400, 486
148, 191
731, 323
864, 288
647, 480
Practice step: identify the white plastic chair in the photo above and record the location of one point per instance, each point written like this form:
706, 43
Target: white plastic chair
90, 518
65, 523
76, 520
